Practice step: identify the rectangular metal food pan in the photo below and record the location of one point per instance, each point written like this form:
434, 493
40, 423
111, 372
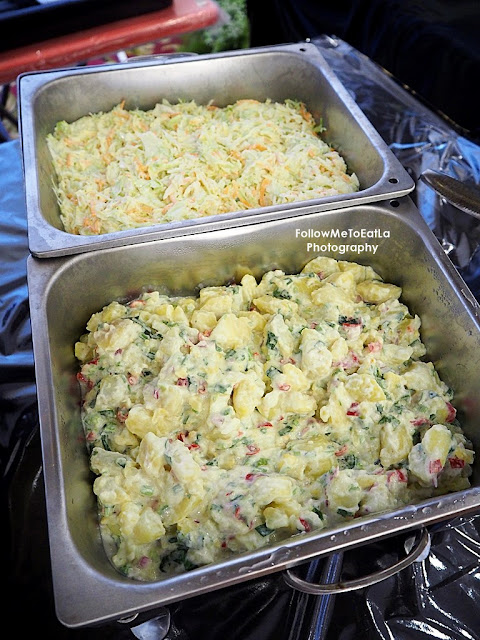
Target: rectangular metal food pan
278, 73
65, 291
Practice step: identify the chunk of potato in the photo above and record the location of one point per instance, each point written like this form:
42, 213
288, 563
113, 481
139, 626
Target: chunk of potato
395, 442
377, 292
363, 386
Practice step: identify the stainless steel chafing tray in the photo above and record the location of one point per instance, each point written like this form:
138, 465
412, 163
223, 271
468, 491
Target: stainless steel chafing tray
65, 291
276, 73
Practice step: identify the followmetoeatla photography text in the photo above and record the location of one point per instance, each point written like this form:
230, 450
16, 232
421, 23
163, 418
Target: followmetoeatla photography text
325, 237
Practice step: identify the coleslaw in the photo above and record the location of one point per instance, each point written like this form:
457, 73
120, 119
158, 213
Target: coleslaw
124, 169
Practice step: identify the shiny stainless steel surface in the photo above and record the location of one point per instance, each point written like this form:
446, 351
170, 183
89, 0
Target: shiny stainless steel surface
280, 72
464, 196
65, 291
420, 548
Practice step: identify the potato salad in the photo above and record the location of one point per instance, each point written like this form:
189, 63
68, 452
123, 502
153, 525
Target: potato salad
221, 422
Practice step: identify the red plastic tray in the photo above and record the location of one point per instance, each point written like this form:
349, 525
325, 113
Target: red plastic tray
181, 17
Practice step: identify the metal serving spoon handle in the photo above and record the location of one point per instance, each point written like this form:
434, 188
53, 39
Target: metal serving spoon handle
463, 196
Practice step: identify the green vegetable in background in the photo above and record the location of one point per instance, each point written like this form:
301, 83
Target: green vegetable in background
233, 32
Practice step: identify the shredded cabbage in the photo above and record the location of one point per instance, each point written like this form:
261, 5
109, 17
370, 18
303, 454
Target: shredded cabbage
124, 169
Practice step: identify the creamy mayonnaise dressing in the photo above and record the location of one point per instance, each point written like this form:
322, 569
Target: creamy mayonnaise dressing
221, 422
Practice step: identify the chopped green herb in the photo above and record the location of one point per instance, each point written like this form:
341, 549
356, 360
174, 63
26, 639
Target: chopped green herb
271, 340
282, 294
350, 461
285, 430
263, 530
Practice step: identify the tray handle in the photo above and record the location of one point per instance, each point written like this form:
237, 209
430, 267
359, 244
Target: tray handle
416, 553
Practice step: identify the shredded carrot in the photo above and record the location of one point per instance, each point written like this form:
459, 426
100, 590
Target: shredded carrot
142, 170
109, 138
237, 155
306, 115
263, 186
257, 147
92, 224
242, 200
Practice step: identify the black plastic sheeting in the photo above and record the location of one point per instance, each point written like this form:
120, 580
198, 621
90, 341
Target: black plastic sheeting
430, 45
437, 597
